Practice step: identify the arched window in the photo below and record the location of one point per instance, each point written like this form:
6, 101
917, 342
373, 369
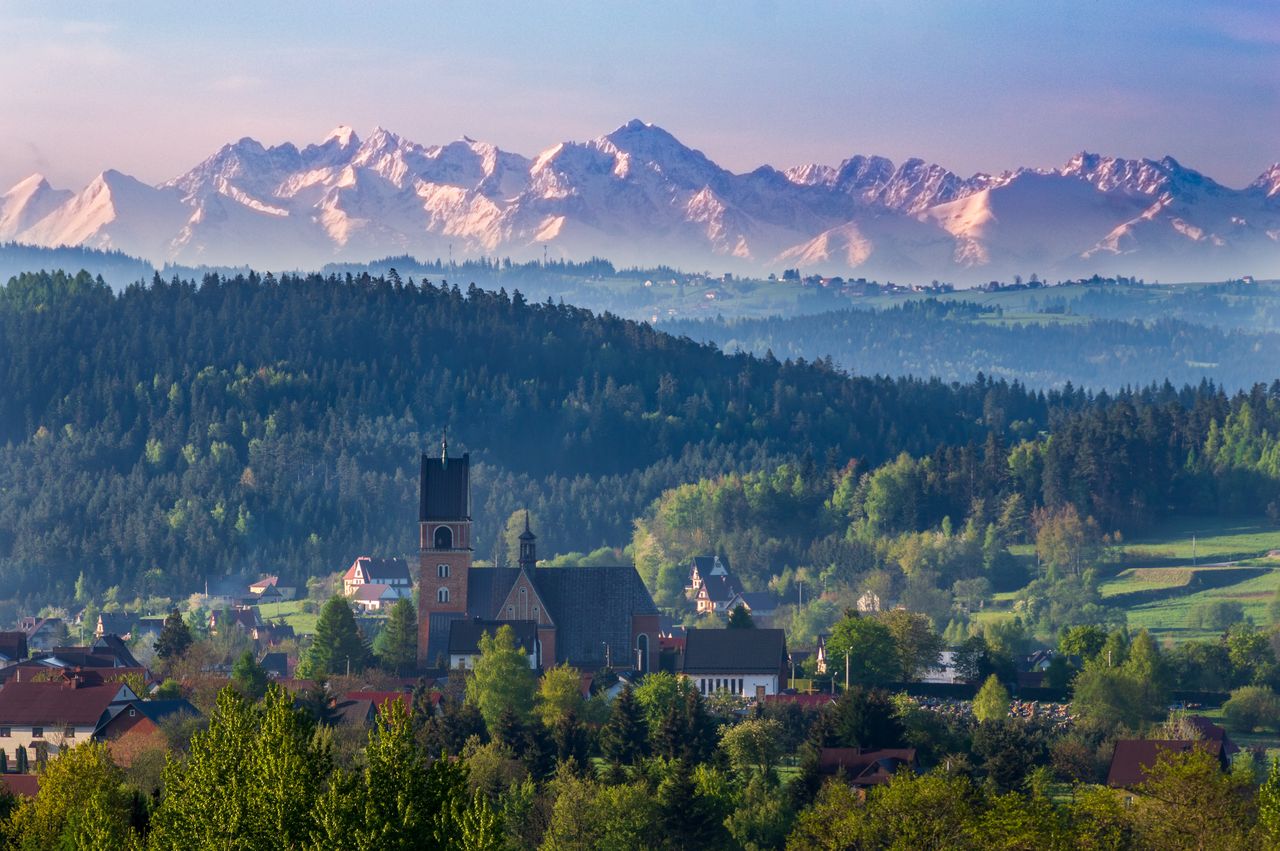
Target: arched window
444, 538
442, 570
642, 650
442, 596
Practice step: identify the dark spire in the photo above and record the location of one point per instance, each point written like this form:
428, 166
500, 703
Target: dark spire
444, 450
528, 547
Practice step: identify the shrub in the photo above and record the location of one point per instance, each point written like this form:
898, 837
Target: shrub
1217, 615
1251, 708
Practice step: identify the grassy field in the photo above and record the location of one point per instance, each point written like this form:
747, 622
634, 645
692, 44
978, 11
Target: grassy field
1207, 539
1170, 618
303, 623
1146, 579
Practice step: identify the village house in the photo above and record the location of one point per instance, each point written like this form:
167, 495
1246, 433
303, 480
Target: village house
49, 716
107, 655
700, 567
270, 590
374, 597
114, 623
590, 617
1133, 758
464, 640
864, 767
746, 662
133, 727
717, 594
389, 575
42, 633
760, 605
13, 647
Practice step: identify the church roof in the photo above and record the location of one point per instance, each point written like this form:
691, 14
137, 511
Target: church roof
445, 490
592, 607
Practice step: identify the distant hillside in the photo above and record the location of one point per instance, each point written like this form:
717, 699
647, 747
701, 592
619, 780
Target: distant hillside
154, 436
116, 268
956, 341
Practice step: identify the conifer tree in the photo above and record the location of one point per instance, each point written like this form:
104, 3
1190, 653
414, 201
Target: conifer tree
174, 639
249, 678
623, 737
397, 644
337, 645
740, 618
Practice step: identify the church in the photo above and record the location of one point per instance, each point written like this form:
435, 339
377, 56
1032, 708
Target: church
589, 617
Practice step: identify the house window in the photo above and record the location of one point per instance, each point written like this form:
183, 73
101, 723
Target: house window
132, 712
69, 733
511, 611
37, 732
642, 652
4, 732
442, 596
442, 570
444, 538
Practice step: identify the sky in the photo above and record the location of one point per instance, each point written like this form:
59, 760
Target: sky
152, 88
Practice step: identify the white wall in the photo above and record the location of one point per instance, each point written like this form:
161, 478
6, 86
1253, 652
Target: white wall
706, 683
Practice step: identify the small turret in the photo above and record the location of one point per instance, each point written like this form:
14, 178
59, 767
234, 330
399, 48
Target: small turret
528, 546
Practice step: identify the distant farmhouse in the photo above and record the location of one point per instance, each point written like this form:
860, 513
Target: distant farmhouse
590, 617
375, 583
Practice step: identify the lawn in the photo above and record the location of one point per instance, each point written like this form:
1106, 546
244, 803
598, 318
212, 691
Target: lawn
303, 623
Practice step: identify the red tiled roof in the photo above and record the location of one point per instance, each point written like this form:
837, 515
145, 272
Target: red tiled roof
55, 704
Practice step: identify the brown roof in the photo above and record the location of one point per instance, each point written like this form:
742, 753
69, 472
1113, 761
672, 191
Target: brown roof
53, 704
22, 785
1213, 733
370, 592
866, 767
355, 713
1134, 757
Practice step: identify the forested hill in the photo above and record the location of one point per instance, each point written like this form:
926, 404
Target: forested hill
956, 341
178, 430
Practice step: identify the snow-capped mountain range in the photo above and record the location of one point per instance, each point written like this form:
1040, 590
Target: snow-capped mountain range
639, 196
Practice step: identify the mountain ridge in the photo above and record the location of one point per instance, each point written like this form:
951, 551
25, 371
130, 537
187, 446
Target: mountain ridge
640, 195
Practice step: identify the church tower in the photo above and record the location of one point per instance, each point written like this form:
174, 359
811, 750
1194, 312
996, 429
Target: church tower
444, 529
528, 546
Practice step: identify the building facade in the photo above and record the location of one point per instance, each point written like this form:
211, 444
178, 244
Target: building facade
589, 617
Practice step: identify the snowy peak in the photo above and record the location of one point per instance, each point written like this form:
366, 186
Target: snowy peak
343, 135
26, 203
1268, 182
640, 196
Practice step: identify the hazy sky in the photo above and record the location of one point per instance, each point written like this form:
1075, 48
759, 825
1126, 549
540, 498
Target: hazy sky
151, 88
